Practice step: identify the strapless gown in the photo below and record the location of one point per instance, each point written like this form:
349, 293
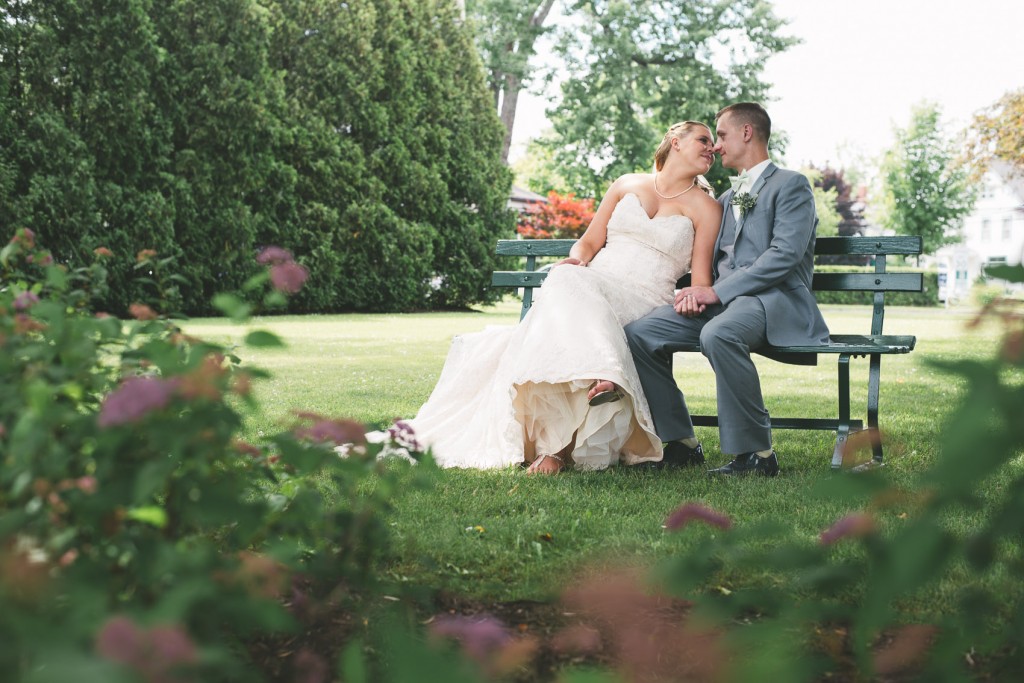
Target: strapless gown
509, 394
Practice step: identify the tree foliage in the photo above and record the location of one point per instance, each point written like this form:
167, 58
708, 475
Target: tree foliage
635, 68
999, 132
506, 35
848, 205
824, 204
926, 192
358, 135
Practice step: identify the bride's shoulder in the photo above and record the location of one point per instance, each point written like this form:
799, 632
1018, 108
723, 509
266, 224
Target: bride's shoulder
705, 208
632, 182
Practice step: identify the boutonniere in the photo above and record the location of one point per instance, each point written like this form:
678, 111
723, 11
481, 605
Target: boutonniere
745, 201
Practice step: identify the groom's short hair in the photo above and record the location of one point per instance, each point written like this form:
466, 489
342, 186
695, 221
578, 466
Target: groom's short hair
752, 113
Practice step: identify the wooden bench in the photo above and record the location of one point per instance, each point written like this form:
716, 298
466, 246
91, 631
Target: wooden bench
873, 345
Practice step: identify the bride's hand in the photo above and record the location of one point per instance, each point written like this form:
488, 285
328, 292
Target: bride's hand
570, 261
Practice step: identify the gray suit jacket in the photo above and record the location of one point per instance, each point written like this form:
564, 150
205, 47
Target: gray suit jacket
774, 257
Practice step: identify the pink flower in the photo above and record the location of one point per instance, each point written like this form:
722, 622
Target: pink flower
145, 255
171, 645
25, 237
336, 431
103, 252
121, 640
142, 312
154, 653
136, 397
274, 255
288, 277
25, 301
401, 432
86, 484
855, 525
689, 512
480, 636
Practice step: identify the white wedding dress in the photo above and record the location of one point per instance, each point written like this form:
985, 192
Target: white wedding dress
509, 394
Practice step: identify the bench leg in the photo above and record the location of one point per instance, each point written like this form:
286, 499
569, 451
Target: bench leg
843, 431
874, 380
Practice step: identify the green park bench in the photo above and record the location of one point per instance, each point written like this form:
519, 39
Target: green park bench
873, 345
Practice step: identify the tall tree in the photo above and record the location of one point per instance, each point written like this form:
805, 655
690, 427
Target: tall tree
634, 68
998, 132
848, 206
824, 204
926, 191
506, 36
401, 188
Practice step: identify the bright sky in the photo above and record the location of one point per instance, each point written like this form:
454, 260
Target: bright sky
865, 63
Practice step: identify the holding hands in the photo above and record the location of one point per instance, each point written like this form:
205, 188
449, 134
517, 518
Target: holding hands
692, 301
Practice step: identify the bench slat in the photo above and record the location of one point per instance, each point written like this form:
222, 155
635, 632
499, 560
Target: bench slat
854, 344
868, 282
858, 344
868, 245
522, 278
787, 423
864, 246
534, 247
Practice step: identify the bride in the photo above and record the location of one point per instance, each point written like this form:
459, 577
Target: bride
560, 389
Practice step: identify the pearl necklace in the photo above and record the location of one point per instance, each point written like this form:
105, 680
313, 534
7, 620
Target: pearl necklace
658, 192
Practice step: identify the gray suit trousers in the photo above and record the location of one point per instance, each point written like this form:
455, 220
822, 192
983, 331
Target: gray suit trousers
726, 335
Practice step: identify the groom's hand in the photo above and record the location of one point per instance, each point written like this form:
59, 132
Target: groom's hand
692, 301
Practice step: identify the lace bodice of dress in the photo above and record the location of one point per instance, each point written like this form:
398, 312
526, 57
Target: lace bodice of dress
645, 256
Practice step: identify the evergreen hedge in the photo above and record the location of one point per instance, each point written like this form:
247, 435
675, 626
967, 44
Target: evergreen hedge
358, 135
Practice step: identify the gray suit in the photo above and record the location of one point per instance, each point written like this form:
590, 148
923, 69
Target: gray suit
762, 271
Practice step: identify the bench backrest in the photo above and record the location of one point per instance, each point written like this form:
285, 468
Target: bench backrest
878, 282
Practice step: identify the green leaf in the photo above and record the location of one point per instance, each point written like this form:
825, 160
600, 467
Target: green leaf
263, 339
352, 663
232, 306
151, 514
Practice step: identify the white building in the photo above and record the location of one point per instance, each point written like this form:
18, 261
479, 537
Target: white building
992, 233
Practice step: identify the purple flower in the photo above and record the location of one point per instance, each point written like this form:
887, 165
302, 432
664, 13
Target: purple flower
401, 432
326, 429
689, 512
121, 640
480, 636
136, 397
25, 301
154, 653
854, 525
274, 255
170, 645
288, 277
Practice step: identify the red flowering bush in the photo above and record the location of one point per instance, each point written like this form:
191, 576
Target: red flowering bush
563, 216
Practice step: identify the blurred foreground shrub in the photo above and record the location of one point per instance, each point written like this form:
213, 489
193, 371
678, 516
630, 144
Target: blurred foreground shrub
140, 539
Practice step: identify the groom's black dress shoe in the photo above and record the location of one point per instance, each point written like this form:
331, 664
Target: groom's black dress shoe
750, 463
677, 454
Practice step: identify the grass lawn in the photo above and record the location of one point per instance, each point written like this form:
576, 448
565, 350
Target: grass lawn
504, 536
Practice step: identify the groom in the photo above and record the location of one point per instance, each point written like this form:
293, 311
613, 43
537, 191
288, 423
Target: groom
761, 296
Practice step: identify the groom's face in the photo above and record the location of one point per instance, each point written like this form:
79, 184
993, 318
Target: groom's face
730, 146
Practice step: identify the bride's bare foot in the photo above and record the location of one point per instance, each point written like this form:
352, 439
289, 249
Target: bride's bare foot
546, 464
603, 391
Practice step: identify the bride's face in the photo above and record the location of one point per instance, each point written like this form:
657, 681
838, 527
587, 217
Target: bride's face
698, 148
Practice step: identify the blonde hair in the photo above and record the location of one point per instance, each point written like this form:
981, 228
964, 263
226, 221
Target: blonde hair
676, 130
